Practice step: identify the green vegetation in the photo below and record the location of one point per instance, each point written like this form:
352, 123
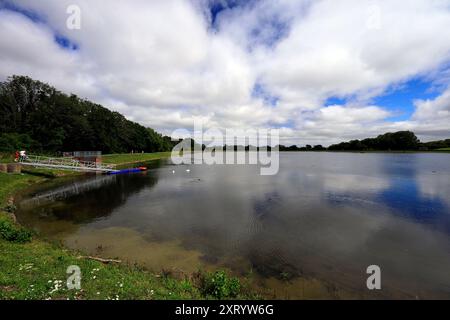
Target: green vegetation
6, 157
36, 117
10, 231
49, 173
37, 270
128, 158
308, 147
219, 285
11, 183
391, 141
397, 141
441, 145
15, 141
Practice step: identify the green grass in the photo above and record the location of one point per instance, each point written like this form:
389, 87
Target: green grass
37, 270
443, 149
11, 183
128, 158
49, 173
12, 232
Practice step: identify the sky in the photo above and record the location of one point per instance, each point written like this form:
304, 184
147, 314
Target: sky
320, 71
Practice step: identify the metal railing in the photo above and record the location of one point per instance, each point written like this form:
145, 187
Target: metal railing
67, 163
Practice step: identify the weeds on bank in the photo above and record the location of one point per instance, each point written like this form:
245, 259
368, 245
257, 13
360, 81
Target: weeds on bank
12, 232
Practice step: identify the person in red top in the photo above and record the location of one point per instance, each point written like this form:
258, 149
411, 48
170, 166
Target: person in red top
16, 158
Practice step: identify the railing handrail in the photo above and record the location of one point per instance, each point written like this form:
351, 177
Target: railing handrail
63, 161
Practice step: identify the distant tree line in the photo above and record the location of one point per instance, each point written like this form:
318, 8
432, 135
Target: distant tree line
433, 145
401, 140
395, 141
37, 117
308, 147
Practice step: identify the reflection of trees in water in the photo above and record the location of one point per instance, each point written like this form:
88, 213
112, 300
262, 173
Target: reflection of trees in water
82, 202
67, 190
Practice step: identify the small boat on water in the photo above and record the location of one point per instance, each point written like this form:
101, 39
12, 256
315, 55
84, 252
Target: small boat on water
129, 170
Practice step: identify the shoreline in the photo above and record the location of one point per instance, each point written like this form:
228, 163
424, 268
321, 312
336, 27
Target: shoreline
117, 159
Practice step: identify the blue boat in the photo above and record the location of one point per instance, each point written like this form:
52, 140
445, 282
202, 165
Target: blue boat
131, 170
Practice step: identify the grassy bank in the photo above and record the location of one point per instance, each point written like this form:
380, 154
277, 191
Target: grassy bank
130, 158
11, 183
31, 268
37, 270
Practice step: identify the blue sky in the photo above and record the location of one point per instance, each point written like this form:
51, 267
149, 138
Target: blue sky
35, 17
399, 99
30, 14
319, 71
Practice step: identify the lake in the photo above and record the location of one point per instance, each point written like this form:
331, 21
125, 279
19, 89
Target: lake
308, 232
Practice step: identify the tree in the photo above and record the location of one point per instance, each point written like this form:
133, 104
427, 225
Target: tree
10, 142
318, 148
54, 121
401, 140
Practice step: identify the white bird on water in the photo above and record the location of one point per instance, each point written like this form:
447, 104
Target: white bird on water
188, 170
173, 171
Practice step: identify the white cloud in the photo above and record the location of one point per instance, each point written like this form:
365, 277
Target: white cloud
160, 63
438, 108
333, 52
339, 114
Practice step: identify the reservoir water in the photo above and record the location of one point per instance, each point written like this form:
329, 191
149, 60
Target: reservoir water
309, 231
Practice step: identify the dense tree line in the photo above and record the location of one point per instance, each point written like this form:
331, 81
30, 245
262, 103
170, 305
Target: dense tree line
36, 116
401, 140
433, 145
308, 147
395, 141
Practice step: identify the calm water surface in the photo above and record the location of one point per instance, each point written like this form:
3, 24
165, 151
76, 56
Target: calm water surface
308, 232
